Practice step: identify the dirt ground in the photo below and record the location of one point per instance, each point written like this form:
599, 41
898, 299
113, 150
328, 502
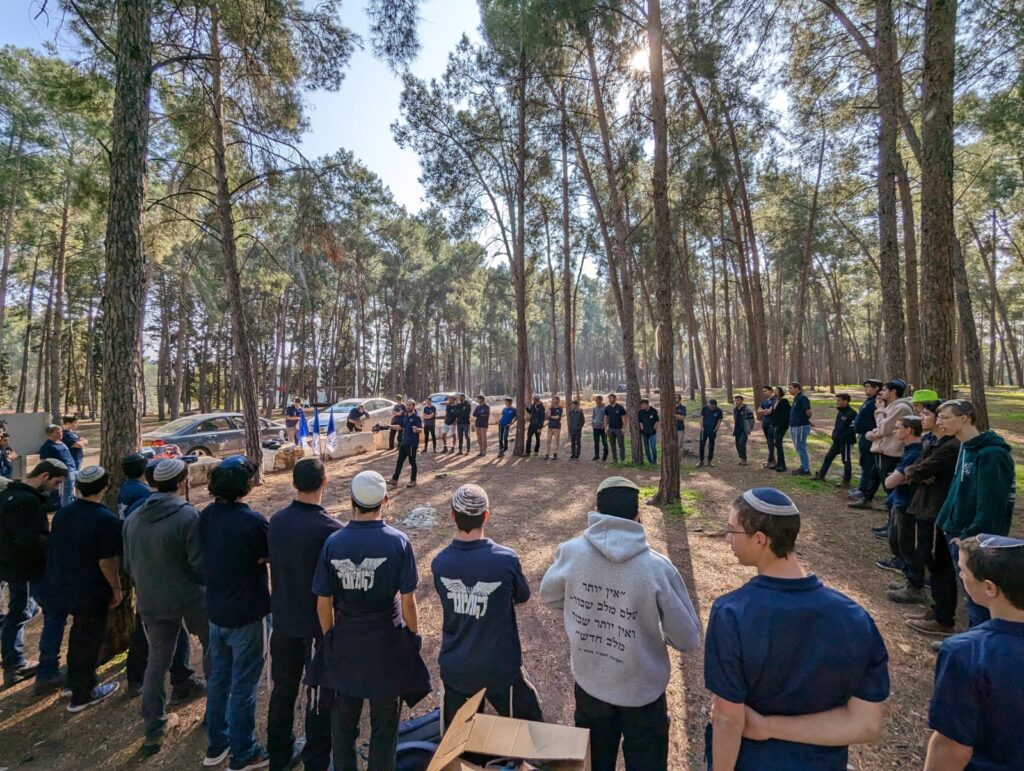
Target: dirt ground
536, 504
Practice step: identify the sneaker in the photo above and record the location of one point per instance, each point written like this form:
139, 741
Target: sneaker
929, 626
45, 685
908, 595
700, 464
258, 759
919, 615
856, 494
859, 503
392, 481
801, 472
710, 464
151, 747
881, 535
881, 528
411, 484
596, 458
193, 688
99, 693
819, 477
895, 585
24, 672
780, 469
214, 756
894, 565
547, 457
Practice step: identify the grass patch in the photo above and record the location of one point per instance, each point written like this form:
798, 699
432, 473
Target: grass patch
685, 507
791, 484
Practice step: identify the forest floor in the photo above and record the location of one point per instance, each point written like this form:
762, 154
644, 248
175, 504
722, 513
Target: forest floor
536, 504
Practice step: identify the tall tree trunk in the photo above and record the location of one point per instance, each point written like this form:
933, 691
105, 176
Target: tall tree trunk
798, 369
518, 262
23, 380
969, 338
938, 237
57, 317
893, 319
568, 304
12, 206
910, 253
125, 262
243, 342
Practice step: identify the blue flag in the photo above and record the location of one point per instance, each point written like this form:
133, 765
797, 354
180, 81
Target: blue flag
315, 443
332, 436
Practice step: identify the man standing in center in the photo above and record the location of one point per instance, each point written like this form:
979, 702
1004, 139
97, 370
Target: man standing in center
296, 537
890, 406
462, 414
742, 427
597, 423
622, 603
647, 417
409, 441
555, 412
482, 418
615, 418
365, 582
479, 584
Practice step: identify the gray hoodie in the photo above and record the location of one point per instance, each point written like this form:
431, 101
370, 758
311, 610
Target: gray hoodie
161, 554
622, 603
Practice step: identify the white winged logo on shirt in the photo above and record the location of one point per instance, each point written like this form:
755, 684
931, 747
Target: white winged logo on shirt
471, 601
359, 576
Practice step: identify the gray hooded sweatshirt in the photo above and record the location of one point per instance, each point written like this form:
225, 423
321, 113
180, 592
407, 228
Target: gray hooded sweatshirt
622, 603
161, 554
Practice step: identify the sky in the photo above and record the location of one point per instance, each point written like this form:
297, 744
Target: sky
357, 117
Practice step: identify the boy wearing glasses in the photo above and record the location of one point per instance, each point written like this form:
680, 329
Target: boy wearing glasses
900, 528
977, 701
798, 670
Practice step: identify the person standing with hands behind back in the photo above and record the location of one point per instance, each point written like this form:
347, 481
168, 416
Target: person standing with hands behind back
710, 420
742, 427
482, 418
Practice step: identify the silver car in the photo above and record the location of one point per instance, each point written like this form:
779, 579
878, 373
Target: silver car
213, 433
377, 408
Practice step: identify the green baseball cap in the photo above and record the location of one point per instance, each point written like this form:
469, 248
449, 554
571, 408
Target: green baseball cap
922, 395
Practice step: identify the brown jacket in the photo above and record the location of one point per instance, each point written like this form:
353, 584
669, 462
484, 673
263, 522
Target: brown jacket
933, 474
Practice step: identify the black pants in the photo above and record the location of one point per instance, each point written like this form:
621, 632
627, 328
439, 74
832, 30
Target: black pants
519, 696
138, 655
462, 430
429, 435
741, 445
707, 439
868, 472
939, 563
769, 438
845, 451
600, 441
87, 634
345, 715
778, 434
643, 732
533, 432
503, 437
406, 451
575, 443
352, 426
884, 465
288, 659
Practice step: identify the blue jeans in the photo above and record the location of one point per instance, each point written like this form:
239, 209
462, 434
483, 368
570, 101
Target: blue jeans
236, 661
976, 614
22, 607
67, 489
651, 447
799, 436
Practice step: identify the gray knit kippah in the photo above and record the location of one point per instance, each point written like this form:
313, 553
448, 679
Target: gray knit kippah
91, 473
167, 469
768, 500
470, 500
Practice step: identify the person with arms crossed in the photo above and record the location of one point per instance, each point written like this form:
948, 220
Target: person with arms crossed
463, 412
292, 415
365, 582
863, 424
479, 584
798, 671
977, 701
429, 424
295, 539
622, 603
710, 419
680, 413
482, 418
508, 414
597, 424
764, 412
615, 418
55, 449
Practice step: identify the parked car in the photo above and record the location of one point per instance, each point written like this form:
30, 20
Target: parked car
212, 433
440, 401
378, 409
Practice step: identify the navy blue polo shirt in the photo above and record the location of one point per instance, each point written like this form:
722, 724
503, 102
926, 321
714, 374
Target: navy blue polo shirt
648, 421
479, 584
366, 564
536, 415
680, 416
792, 647
977, 699
233, 540
409, 422
798, 412
555, 417
295, 537
482, 413
429, 415
615, 413
292, 415
78, 453
132, 492
354, 415
902, 496
82, 534
710, 417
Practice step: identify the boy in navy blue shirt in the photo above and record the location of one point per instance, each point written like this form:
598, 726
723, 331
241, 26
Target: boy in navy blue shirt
800, 427
647, 417
365, 582
536, 412
481, 420
296, 536
902, 529
555, 412
83, 565
977, 702
409, 441
233, 542
55, 449
798, 670
710, 420
680, 423
134, 488
508, 414
429, 424
480, 583
843, 437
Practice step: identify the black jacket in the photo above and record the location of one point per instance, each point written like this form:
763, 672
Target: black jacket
842, 431
24, 530
575, 418
932, 474
780, 415
462, 411
865, 420
537, 412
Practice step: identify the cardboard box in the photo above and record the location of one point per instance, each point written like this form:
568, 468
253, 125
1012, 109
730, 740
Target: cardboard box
558, 747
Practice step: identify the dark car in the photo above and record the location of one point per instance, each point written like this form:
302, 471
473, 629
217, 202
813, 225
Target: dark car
213, 433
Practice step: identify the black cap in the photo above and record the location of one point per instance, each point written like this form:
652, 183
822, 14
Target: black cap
873, 381
134, 457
